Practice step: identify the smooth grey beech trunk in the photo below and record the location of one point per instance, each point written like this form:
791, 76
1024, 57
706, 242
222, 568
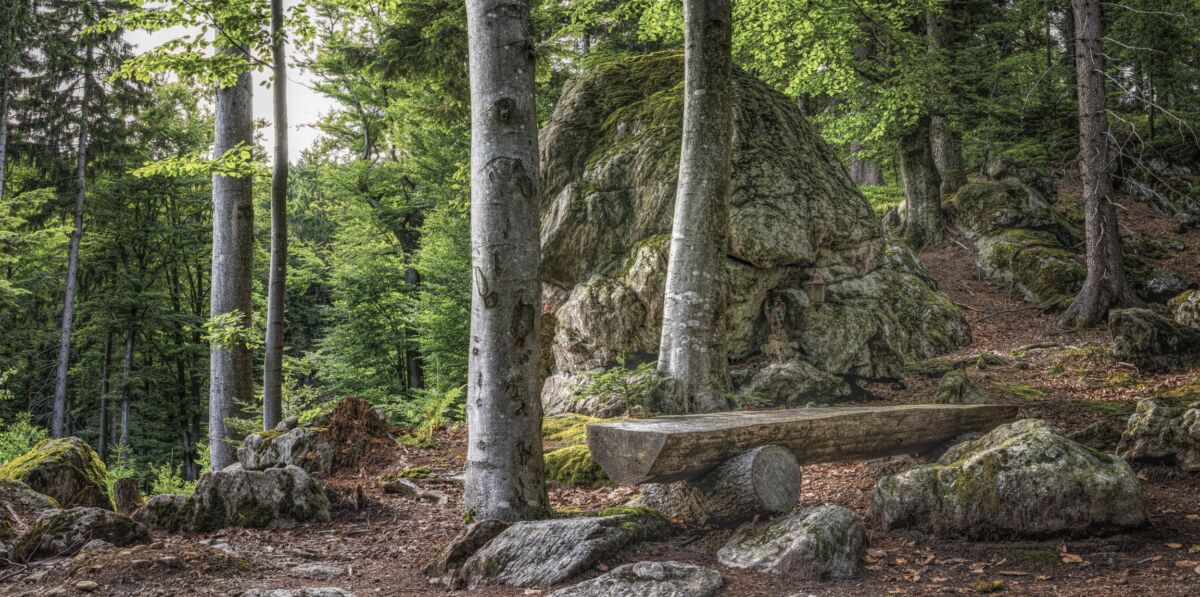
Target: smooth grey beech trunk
922, 188
864, 171
693, 347
504, 472
1106, 286
231, 367
946, 140
277, 284
59, 421
126, 390
105, 373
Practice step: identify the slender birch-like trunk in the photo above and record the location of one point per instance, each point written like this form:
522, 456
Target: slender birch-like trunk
693, 347
126, 392
231, 371
277, 285
504, 473
58, 424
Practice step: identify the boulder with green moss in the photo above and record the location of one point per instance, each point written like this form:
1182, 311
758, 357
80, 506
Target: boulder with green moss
573, 465
276, 498
1160, 432
814, 543
1185, 308
649, 579
67, 531
610, 155
1151, 340
1020, 480
957, 388
20, 508
66, 469
548, 552
304, 447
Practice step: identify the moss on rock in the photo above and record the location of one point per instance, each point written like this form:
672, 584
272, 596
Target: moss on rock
66, 469
573, 465
66, 532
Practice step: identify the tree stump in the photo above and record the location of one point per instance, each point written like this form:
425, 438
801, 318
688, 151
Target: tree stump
763, 480
127, 495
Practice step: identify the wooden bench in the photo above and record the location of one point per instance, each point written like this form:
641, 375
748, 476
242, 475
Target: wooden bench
720, 468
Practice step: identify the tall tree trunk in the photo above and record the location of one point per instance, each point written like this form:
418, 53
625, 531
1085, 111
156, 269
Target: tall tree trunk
922, 192
1106, 286
3, 128
1069, 56
231, 381
277, 287
504, 476
946, 140
68, 317
414, 364
692, 350
126, 392
105, 375
864, 171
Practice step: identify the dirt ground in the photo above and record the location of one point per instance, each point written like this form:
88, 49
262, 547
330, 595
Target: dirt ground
1067, 378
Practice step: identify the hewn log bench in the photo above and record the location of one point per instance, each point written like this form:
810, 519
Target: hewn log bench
724, 467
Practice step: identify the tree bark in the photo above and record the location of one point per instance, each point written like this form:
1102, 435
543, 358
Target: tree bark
864, 171
946, 140
3, 128
231, 372
504, 471
126, 393
1106, 286
760, 482
58, 424
105, 373
693, 346
277, 286
922, 188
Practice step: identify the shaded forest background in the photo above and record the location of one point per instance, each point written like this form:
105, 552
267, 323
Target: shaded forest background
378, 291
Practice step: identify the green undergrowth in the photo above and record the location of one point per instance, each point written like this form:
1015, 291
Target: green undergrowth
1020, 390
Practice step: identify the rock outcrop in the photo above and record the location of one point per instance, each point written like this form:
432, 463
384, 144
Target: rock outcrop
547, 552
275, 498
66, 469
304, 447
1160, 432
67, 531
814, 543
1152, 341
609, 166
20, 508
1020, 480
649, 579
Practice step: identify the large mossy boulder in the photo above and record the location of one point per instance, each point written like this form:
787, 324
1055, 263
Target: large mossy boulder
276, 498
547, 552
814, 543
1160, 432
20, 508
66, 469
1021, 480
66, 531
1152, 341
610, 162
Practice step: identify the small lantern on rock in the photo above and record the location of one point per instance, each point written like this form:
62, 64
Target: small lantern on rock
815, 289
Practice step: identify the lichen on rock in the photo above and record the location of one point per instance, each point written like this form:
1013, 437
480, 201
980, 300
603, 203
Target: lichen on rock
66, 469
66, 531
609, 169
1020, 480
957, 388
1158, 431
1151, 340
649, 579
814, 543
304, 447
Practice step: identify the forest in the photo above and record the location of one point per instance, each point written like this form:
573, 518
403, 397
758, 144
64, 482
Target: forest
599, 297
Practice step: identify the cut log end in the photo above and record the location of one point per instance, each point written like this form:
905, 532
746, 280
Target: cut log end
762, 481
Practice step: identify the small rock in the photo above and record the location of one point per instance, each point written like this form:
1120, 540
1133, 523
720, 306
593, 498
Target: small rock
1159, 432
814, 543
1152, 341
306, 592
318, 570
95, 544
288, 424
1098, 436
649, 579
87, 586
957, 388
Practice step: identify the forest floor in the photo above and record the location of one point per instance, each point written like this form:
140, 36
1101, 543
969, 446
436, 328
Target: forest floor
1067, 378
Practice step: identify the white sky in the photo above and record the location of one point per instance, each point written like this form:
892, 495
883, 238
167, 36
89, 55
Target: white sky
305, 106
